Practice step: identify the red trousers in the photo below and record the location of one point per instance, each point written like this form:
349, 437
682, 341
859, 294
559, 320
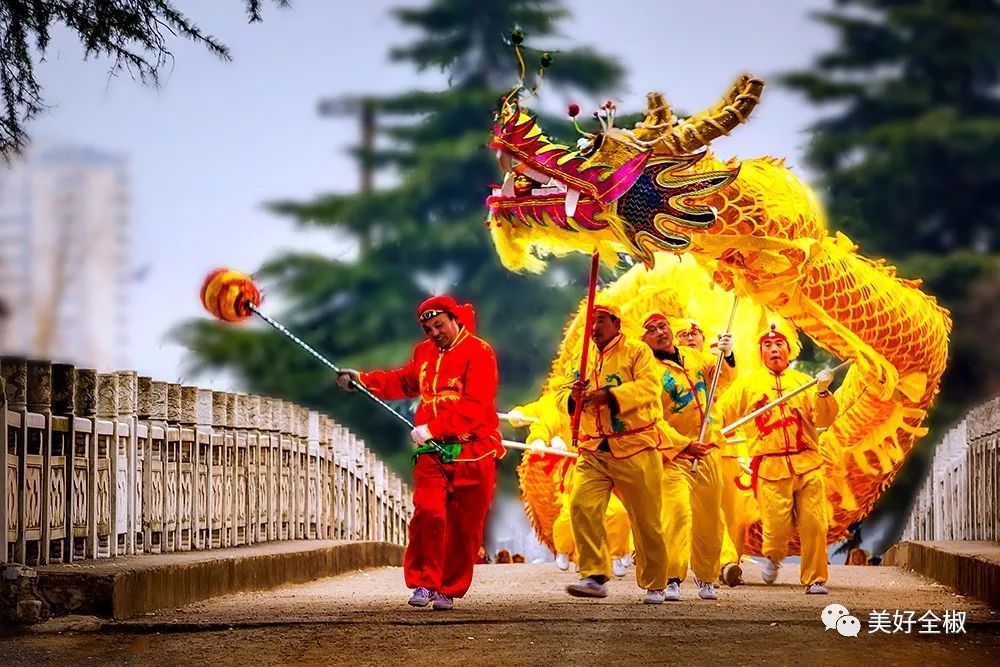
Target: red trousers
450, 502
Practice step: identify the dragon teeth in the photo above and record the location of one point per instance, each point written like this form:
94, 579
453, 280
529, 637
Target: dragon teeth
572, 199
508, 185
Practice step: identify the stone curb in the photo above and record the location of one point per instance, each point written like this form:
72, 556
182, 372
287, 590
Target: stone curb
125, 587
971, 568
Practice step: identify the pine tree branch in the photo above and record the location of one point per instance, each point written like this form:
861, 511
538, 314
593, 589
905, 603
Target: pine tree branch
133, 34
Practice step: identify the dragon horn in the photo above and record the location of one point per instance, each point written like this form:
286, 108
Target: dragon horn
659, 118
699, 130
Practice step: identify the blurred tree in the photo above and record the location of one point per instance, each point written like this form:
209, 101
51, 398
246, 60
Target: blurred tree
908, 158
132, 33
907, 162
423, 235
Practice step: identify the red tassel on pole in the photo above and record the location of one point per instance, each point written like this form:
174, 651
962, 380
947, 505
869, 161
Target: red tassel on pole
588, 328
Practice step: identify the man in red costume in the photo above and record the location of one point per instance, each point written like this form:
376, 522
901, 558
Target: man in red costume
454, 374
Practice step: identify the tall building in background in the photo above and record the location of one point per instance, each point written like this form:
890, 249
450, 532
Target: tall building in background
65, 262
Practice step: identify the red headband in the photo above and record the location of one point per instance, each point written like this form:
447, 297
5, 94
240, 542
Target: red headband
772, 334
436, 305
654, 317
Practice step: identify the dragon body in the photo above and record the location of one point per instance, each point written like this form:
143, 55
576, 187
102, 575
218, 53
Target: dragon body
746, 227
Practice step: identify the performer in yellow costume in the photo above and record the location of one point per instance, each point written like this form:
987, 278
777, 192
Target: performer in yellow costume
692, 501
738, 508
551, 428
787, 473
620, 398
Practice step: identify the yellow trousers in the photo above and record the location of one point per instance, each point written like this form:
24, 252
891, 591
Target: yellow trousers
616, 524
692, 518
739, 510
799, 500
638, 480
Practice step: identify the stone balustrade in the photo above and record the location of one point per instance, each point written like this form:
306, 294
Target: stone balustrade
106, 464
960, 498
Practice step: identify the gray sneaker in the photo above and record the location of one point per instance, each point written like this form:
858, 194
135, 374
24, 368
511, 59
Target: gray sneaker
673, 592
421, 597
706, 591
443, 602
587, 588
816, 589
769, 571
653, 596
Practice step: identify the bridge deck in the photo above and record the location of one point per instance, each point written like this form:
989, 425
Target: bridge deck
518, 614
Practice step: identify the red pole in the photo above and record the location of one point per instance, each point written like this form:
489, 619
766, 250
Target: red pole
588, 328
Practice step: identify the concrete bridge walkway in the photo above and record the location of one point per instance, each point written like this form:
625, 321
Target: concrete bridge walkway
518, 614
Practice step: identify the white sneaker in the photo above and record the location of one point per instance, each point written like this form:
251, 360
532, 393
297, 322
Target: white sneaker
769, 571
628, 560
562, 561
816, 589
587, 588
653, 596
706, 591
673, 592
619, 568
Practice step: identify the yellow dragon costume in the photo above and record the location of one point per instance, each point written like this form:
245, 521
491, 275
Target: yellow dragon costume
705, 228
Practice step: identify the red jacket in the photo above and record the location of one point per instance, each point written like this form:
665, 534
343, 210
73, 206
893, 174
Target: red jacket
457, 389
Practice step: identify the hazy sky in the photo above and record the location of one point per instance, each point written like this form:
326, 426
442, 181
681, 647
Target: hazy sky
218, 138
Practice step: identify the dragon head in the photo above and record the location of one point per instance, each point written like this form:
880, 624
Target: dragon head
637, 188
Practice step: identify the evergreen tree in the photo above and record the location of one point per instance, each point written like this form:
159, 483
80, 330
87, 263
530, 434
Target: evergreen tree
907, 161
424, 234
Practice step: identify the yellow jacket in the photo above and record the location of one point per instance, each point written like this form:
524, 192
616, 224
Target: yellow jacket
684, 395
627, 368
783, 440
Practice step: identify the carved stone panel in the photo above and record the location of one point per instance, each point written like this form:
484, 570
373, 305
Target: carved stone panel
219, 419
33, 497
10, 496
81, 490
128, 391
144, 396
86, 392
189, 399
173, 492
57, 497
154, 506
174, 402
107, 395
158, 400
103, 497
254, 408
39, 386
121, 494
63, 389
14, 371
203, 407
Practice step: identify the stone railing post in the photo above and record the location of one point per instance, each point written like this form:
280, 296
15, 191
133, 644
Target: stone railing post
8, 502
111, 472
128, 422
15, 376
266, 491
51, 502
314, 511
85, 462
62, 463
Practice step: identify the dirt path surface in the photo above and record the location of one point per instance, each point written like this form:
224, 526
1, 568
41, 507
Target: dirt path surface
519, 614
